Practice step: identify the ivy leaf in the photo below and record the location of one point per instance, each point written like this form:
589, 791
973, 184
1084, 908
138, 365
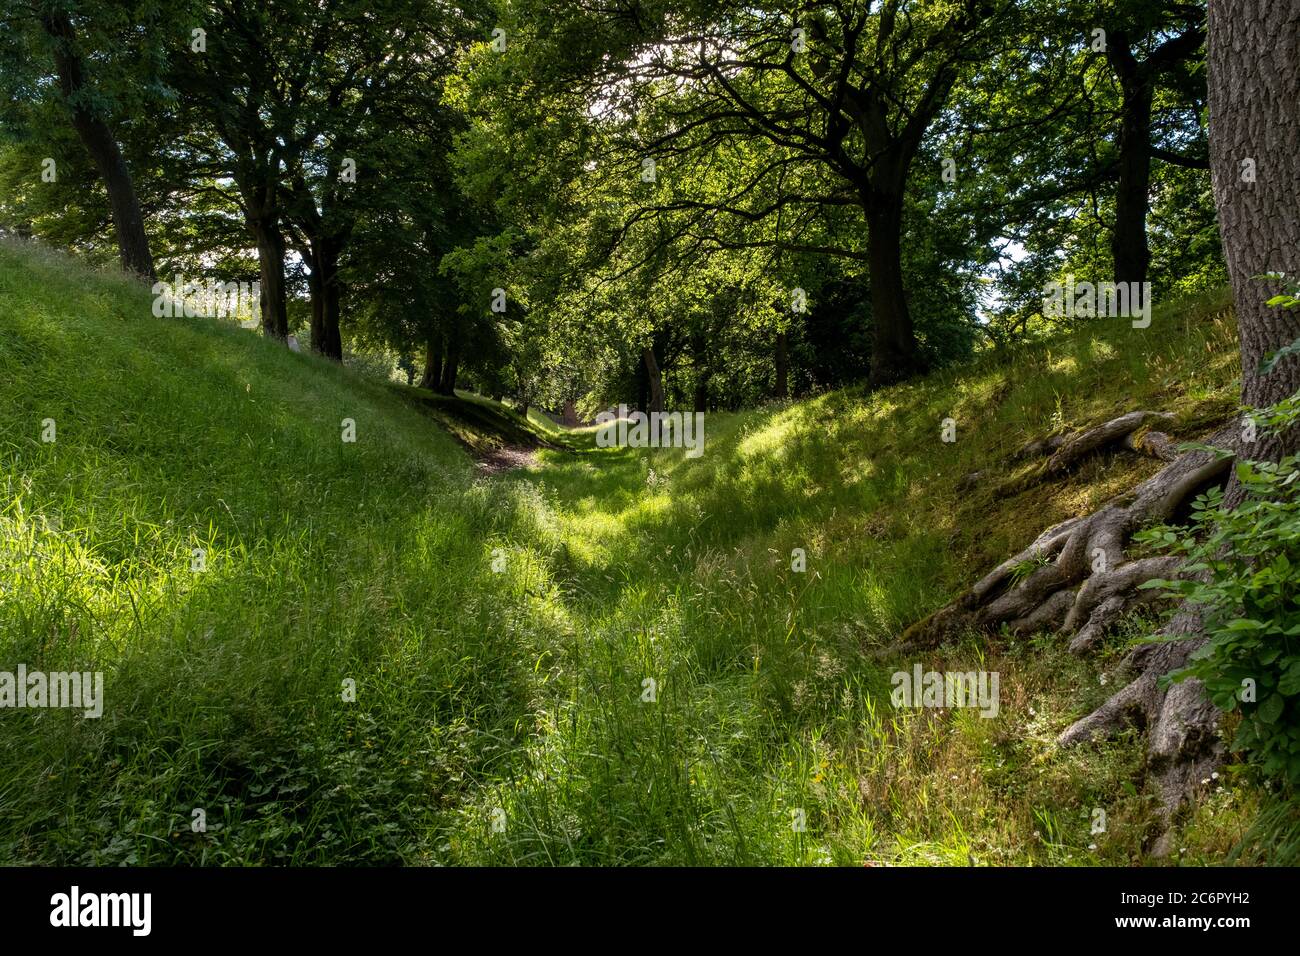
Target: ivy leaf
1271, 362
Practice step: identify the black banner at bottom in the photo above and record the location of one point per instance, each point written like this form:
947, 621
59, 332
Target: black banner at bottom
338, 906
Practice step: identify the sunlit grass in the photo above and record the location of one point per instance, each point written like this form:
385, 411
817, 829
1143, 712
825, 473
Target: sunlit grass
501, 632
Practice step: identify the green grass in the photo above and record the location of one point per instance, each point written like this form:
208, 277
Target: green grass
499, 714
481, 424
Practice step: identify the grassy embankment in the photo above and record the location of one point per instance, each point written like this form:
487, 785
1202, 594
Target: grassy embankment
514, 697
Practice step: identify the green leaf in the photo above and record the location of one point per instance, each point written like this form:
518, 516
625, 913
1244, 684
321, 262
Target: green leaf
1271, 709
1289, 685
1246, 624
1271, 362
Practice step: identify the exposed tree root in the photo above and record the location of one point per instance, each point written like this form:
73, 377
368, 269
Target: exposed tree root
1040, 447
1076, 578
1182, 746
1152, 443
1106, 596
1063, 452
1048, 616
1094, 439
1062, 557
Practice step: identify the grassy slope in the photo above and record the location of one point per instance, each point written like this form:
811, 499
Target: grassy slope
521, 690
325, 560
481, 424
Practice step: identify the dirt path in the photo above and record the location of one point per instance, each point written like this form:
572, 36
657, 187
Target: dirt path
498, 460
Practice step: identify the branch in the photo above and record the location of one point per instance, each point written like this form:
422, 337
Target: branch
1190, 162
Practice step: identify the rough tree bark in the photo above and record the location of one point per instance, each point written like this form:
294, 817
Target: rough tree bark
782, 366
93, 131
432, 362
655, 378
1077, 579
1254, 73
1137, 79
1254, 80
264, 223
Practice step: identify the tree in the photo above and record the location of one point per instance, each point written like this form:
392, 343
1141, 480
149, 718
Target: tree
1256, 173
1254, 115
245, 76
1125, 30
378, 86
838, 99
92, 64
294, 90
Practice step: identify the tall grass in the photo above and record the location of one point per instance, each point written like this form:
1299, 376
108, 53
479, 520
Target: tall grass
503, 633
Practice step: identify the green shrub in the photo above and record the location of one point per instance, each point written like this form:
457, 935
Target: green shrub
1243, 567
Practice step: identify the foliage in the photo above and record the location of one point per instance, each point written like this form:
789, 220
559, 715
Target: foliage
1242, 569
519, 165
519, 690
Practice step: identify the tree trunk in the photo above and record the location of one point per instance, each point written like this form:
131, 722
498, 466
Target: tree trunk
894, 352
447, 381
432, 362
317, 295
1254, 73
1129, 249
326, 338
522, 397
654, 378
1253, 116
270, 256
642, 386
1128, 243
334, 336
703, 370
782, 366
132, 243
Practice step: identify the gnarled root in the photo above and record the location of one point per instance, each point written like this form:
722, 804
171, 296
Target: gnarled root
1107, 596
1091, 440
1063, 452
1077, 578
1153, 444
1085, 555
1182, 746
